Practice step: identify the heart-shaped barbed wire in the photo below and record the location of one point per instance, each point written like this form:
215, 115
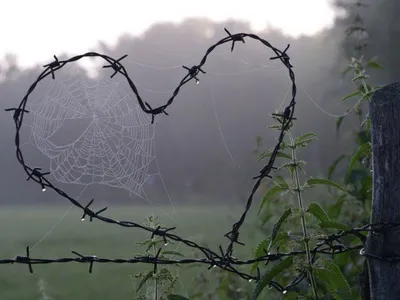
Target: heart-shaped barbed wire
223, 259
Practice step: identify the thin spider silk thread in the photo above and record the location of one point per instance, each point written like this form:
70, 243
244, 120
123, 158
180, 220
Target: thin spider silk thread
193, 60
219, 125
51, 230
164, 185
162, 210
262, 68
324, 111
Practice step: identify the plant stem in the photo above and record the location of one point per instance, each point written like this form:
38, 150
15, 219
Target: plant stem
155, 253
303, 221
362, 80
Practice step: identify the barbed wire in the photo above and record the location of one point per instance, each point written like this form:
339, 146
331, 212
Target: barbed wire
223, 259
326, 246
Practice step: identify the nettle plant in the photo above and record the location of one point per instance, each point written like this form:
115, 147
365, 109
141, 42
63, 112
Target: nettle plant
300, 227
358, 176
159, 282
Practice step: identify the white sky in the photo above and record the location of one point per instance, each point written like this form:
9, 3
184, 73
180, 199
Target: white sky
35, 30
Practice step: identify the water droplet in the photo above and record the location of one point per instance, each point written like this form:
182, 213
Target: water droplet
166, 244
284, 292
83, 219
214, 266
197, 81
250, 280
43, 189
362, 251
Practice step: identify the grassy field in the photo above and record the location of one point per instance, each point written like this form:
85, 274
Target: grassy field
27, 225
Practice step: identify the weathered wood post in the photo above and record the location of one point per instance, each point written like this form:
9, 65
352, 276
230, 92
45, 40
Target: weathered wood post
384, 276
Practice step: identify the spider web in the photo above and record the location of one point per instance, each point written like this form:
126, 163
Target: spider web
113, 143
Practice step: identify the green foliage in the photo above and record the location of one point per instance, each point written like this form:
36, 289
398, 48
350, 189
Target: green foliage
364, 151
163, 279
278, 224
220, 285
285, 240
330, 275
271, 274
305, 139
317, 211
176, 297
326, 275
272, 192
324, 181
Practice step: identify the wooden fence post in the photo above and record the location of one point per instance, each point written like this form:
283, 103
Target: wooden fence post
384, 276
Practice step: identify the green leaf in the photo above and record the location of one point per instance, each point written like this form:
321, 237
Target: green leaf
317, 211
260, 252
276, 126
333, 277
172, 253
272, 192
278, 154
266, 245
347, 70
335, 225
281, 181
306, 138
335, 209
325, 181
304, 143
266, 215
144, 280
290, 296
374, 65
270, 274
278, 225
339, 122
176, 297
281, 238
363, 150
292, 165
333, 166
351, 95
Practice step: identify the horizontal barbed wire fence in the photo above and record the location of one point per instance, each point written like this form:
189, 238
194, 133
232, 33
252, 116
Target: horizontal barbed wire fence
222, 259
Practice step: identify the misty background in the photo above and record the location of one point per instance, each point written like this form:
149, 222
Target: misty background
244, 86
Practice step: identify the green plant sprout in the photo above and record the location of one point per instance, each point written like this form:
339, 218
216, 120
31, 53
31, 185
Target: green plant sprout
323, 275
164, 279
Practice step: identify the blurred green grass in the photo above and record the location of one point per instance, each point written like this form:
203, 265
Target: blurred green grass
23, 226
